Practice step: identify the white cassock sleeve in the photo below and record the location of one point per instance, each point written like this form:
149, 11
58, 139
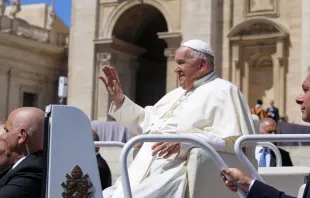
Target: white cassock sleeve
130, 114
136, 118
227, 117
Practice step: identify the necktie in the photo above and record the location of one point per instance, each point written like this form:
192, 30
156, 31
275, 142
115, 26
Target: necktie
262, 161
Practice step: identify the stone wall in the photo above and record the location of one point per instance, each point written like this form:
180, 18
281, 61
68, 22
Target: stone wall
28, 66
299, 155
82, 55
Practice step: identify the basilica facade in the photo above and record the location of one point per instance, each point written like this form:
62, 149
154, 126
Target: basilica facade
262, 46
33, 54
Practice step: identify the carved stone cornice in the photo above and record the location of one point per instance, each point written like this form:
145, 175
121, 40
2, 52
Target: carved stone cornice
257, 29
261, 8
39, 77
173, 39
170, 53
103, 58
120, 46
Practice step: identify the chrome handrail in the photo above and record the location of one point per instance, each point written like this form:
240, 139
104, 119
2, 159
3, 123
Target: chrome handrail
109, 144
264, 138
167, 138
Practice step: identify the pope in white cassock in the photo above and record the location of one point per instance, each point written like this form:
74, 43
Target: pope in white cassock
204, 105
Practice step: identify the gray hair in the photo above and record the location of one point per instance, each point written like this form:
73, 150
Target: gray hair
201, 55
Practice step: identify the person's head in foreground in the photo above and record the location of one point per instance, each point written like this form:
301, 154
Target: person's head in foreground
267, 126
194, 59
4, 162
238, 178
23, 132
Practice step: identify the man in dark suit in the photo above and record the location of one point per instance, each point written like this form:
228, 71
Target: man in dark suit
23, 138
257, 189
265, 156
104, 170
273, 112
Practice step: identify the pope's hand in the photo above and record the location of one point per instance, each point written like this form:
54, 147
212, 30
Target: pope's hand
113, 85
166, 149
237, 179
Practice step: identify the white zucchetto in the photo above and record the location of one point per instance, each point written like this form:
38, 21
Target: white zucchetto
199, 46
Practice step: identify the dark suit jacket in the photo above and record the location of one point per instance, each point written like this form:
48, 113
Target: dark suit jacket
261, 190
25, 180
286, 159
104, 172
275, 112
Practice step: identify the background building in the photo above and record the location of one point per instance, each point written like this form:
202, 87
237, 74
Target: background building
262, 46
33, 54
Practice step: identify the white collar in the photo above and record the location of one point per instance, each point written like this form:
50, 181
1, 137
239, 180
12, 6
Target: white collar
97, 153
18, 162
207, 78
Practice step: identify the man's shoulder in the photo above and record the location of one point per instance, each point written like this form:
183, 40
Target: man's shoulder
100, 159
283, 152
30, 167
33, 163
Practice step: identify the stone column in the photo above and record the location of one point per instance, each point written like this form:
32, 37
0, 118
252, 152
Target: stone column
282, 106
122, 56
173, 40
276, 79
4, 81
281, 76
101, 106
236, 73
246, 80
81, 67
171, 78
14, 91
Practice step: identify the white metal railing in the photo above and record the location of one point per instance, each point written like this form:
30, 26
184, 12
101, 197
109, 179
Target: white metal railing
166, 138
275, 149
264, 138
109, 144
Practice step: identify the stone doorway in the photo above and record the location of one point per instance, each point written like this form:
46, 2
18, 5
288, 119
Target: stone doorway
139, 26
261, 81
258, 60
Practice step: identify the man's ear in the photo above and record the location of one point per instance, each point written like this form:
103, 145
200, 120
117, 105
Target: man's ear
23, 136
203, 65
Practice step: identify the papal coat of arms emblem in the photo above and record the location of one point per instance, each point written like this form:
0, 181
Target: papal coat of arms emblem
76, 185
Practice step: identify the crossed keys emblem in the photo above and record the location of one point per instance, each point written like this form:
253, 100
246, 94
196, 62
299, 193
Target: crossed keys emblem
76, 185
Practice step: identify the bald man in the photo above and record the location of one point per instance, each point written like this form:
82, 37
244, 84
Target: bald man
4, 162
265, 156
104, 170
23, 138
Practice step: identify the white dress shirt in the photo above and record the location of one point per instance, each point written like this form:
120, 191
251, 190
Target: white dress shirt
18, 162
258, 155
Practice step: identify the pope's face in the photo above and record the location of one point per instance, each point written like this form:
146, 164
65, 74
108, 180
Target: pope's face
303, 99
187, 67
